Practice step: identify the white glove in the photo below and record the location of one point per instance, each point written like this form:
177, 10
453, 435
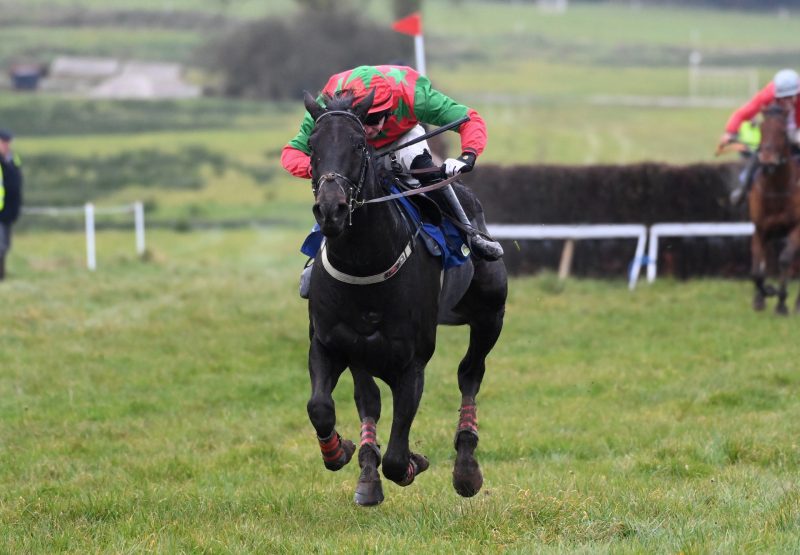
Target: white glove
453, 166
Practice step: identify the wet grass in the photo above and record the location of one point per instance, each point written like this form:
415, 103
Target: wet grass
160, 406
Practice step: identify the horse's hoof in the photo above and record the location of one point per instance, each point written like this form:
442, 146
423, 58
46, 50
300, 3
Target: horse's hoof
348, 448
781, 310
759, 305
421, 461
369, 493
467, 478
417, 464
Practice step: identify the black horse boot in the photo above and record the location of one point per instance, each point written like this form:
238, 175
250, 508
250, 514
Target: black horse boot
486, 249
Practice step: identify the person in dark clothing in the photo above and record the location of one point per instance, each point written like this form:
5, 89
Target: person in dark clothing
10, 194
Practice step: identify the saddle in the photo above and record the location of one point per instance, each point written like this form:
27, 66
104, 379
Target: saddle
440, 235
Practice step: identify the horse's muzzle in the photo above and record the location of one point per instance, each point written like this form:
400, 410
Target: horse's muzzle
331, 217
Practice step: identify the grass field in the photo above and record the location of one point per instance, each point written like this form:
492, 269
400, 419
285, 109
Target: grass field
160, 407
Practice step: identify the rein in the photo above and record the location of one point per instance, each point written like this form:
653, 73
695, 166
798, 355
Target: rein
411, 192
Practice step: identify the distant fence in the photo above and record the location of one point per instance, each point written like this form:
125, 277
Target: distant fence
690, 230
642, 193
570, 233
722, 82
89, 211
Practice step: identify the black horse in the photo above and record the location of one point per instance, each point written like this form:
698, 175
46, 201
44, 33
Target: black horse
375, 301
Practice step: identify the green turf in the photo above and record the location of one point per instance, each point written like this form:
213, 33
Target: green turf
159, 406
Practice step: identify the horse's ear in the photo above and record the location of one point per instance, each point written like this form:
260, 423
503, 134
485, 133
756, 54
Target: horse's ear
362, 108
311, 105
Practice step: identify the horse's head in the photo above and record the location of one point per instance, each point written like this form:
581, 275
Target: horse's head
339, 158
775, 147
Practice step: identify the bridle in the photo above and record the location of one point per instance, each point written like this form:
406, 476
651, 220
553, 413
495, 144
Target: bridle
354, 189
354, 201
773, 112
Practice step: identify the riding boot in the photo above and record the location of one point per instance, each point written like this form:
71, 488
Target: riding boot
484, 248
305, 279
738, 194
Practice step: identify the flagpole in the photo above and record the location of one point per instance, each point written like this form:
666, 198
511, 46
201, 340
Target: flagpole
412, 25
419, 51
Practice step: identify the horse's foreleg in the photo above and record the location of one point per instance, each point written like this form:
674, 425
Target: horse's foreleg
400, 465
325, 370
484, 331
369, 490
758, 271
785, 264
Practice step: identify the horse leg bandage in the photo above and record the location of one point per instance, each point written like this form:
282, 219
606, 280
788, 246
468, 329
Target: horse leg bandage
411, 473
333, 454
467, 421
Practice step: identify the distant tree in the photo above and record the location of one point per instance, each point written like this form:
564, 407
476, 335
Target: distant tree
760, 5
402, 8
278, 58
320, 5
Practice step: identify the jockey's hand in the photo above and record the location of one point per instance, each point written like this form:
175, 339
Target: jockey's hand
462, 164
726, 139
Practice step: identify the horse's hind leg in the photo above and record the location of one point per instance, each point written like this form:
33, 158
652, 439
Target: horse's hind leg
785, 263
486, 300
758, 271
369, 490
325, 371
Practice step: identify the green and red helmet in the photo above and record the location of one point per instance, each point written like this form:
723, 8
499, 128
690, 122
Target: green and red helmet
364, 79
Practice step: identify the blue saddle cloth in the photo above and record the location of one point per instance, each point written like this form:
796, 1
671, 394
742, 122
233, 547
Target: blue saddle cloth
444, 241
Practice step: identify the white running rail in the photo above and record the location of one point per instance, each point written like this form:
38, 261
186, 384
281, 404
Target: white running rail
583, 231
689, 230
90, 210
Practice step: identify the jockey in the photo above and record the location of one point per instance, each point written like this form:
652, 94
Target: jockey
784, 88
403, 99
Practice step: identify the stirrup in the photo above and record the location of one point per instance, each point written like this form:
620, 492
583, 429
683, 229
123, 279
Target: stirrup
737, 196
305, 279
486, 249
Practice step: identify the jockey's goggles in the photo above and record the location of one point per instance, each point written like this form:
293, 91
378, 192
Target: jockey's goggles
375, 118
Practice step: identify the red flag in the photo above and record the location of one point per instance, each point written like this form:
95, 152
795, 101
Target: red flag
409, 25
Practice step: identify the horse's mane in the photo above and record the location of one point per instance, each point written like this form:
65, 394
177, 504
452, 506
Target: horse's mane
340, 100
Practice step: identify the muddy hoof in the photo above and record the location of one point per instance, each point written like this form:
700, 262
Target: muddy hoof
369, 493
467, 479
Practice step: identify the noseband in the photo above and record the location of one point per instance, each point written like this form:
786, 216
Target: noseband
354, 189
